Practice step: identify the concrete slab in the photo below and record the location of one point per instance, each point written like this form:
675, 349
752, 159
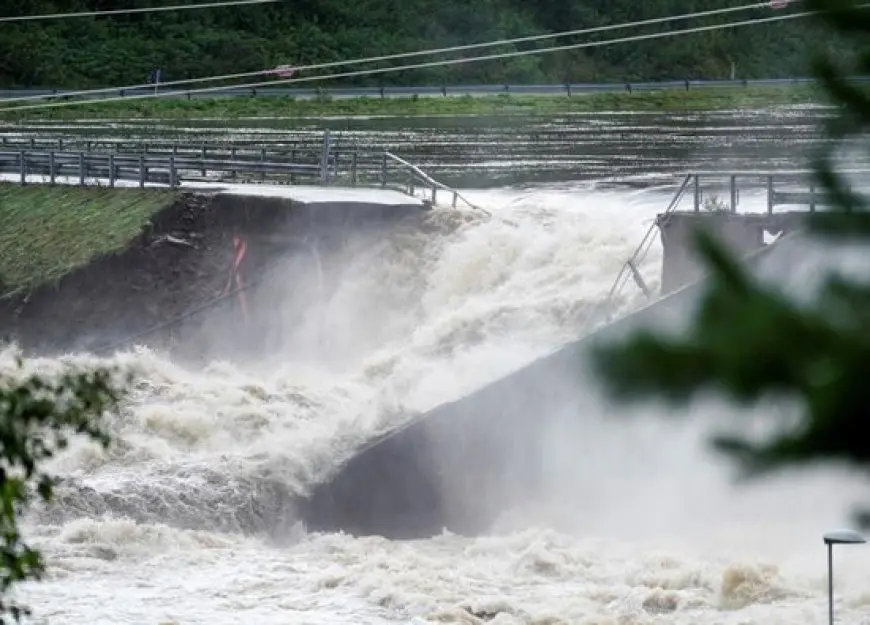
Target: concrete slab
305, 194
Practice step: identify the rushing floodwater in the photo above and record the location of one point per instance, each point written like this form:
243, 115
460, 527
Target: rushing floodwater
182, 521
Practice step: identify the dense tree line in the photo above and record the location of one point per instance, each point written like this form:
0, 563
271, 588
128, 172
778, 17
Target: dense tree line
119, 50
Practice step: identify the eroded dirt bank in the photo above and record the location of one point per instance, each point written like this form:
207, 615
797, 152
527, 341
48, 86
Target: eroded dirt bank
182, 261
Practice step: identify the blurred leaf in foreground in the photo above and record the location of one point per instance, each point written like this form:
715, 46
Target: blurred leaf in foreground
752, 342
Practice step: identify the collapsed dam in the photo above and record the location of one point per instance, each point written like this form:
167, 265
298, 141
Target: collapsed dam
456, 467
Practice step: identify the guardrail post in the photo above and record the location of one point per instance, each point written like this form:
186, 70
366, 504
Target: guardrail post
353, 165
51, 173
454, 199
770, 195
384, 170
733, 194
324, 159
434, 194
142, 172
112, 169
203, 153
82, 168
697, 193
812, 196
173, 180
263, 164
22, 161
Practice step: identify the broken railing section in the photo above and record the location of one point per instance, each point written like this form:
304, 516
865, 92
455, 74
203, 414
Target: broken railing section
410, 178
631, 268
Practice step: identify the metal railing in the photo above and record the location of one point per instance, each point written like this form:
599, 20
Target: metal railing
85, 168
800, 188
262, 149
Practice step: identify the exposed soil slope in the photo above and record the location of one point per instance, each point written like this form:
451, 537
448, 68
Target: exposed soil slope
181, 260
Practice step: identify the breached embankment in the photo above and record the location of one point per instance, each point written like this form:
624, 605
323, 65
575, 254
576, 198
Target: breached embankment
463, 464
151, 290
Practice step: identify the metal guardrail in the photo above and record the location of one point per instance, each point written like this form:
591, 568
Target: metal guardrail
411, 91
86, 167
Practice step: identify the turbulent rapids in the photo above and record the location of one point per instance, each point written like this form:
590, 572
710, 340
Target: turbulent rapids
359, 343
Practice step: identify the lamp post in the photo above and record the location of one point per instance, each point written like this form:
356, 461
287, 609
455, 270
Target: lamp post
837, 537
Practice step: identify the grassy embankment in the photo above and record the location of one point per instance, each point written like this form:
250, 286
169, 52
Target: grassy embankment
694, 99
46, 231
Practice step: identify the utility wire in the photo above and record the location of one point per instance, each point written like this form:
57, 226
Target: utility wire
405, 55
174, 7
441, 63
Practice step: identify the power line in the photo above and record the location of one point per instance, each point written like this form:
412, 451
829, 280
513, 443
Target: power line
442, 63
176, 7
405, 55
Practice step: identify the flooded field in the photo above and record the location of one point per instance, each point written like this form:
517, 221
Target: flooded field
482, 152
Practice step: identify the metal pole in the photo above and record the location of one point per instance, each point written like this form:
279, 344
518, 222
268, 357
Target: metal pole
837, 537
830, 584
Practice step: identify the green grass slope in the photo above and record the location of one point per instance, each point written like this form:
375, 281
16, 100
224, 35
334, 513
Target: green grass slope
46, 231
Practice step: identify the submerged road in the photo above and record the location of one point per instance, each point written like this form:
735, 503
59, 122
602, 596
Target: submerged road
479, 90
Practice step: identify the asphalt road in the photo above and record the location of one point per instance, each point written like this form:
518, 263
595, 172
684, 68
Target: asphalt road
421, 91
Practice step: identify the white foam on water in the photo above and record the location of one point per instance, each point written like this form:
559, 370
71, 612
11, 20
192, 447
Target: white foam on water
168, 532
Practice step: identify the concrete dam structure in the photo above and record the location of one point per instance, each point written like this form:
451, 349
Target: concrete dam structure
459, 466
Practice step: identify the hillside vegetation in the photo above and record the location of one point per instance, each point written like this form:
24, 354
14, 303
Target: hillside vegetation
123, 50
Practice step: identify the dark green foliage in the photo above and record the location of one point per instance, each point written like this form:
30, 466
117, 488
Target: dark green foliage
123, 50
38, 415
752, 343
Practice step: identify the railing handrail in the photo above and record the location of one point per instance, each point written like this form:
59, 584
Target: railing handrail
759, 173
152, 158
630, 266
432, 182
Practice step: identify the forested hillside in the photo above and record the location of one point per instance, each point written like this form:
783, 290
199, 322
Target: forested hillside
107, 51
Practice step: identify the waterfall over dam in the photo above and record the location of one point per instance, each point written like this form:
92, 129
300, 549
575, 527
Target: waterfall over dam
459, 466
